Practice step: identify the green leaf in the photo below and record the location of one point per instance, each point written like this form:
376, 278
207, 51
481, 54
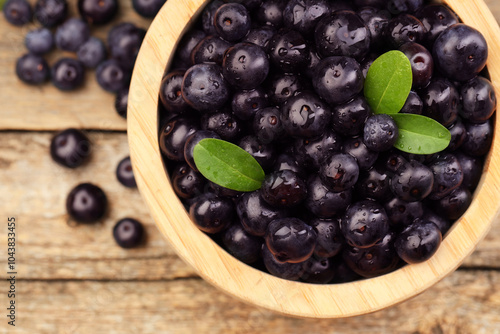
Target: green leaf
228, 165
388, 82
420, 135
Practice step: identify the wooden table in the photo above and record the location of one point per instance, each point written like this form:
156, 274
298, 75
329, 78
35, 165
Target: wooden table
75, 279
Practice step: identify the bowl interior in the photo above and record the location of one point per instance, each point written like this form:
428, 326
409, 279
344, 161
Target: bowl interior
222, 270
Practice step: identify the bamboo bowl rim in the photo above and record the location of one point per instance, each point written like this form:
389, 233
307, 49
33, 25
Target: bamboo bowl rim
222, 270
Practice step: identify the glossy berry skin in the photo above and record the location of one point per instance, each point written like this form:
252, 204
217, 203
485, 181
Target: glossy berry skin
290, 240
147, 8
418, 242
211, 213
287, 161
51, 13
264, 153
413, 104
192, 141
455, 204
441, 101
39, 41
479, 138
245, 65
128, 233
412, 182
207, 16
460, 52
472, 168
374, 184
17, 12
283, 86
246, 103
431, 216
402, 213
204, 87
187, 183
380, 132
32, 69
171, 92
448, 175
376, 260
111, 76
210, 50
329, 240
349, 118
318, 270
125, 173
305, 115
92, 52
232, 21
339, 172
255, 214
121, 102
285, 270
124, 41
435, 18
458, 135
283, 189
404, 6
478, 100
270, 13
364, 224
242, 245
363, 155
260, 36
323, 202
338, 79
173, 136
70, 148
303, 15
267, 125
376, 21
98, 11
311, 152
342, 34
68, 74
288, 50
403, 29
86, 203
223, 123
422, 64
71, 35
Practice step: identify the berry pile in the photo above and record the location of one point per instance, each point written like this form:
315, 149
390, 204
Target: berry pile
284, 81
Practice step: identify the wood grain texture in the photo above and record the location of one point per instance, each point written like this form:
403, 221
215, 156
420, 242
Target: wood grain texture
462, 303
45, 107
248, 284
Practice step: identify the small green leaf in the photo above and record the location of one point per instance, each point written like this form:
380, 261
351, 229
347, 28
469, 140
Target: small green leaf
420, 135
228, 165
388, 82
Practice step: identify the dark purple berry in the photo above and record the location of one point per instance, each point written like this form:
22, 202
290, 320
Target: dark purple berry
187, 183
92, 52
478, 140
318, 270
404, 6
86, 203
339, 171
71, 35
70, 148
285, 270
243, 246
380, 132
283, 86
435, 18
111, 76
32, 69
455, 204
329, 237
246, 103
39, 41
441, 101
413, 104
363, 155
211, 213
403, 29
232, 21
478, 100
448, 175
224, 123
128, 233
98, 11
349, 118
402, 213
210, 50
270, 13
412, 182
472, 168
124, 41
51, 13
125, 174
458, 134
422, 64
147, 8
264, 153
207, 16
290, 240
323, 202
311, 152
376, 21
68, 74
418, 242
283, 189
289, 51
121, 102
267, 125
17, 12
245, 66
374, 184
173, 136
303, 15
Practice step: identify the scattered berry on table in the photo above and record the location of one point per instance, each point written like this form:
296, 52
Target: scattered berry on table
17, 12
51, 13
128, 233
98, 11
71, 35
68, 74
86, 203
92, 52
32, 69
39, 41
125, 174
70, 148
147, 8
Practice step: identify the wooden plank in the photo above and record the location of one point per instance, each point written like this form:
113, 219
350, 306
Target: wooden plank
45, 107
465, 302
34, 190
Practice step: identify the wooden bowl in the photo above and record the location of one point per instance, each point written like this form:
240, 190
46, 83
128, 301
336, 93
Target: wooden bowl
222, 270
